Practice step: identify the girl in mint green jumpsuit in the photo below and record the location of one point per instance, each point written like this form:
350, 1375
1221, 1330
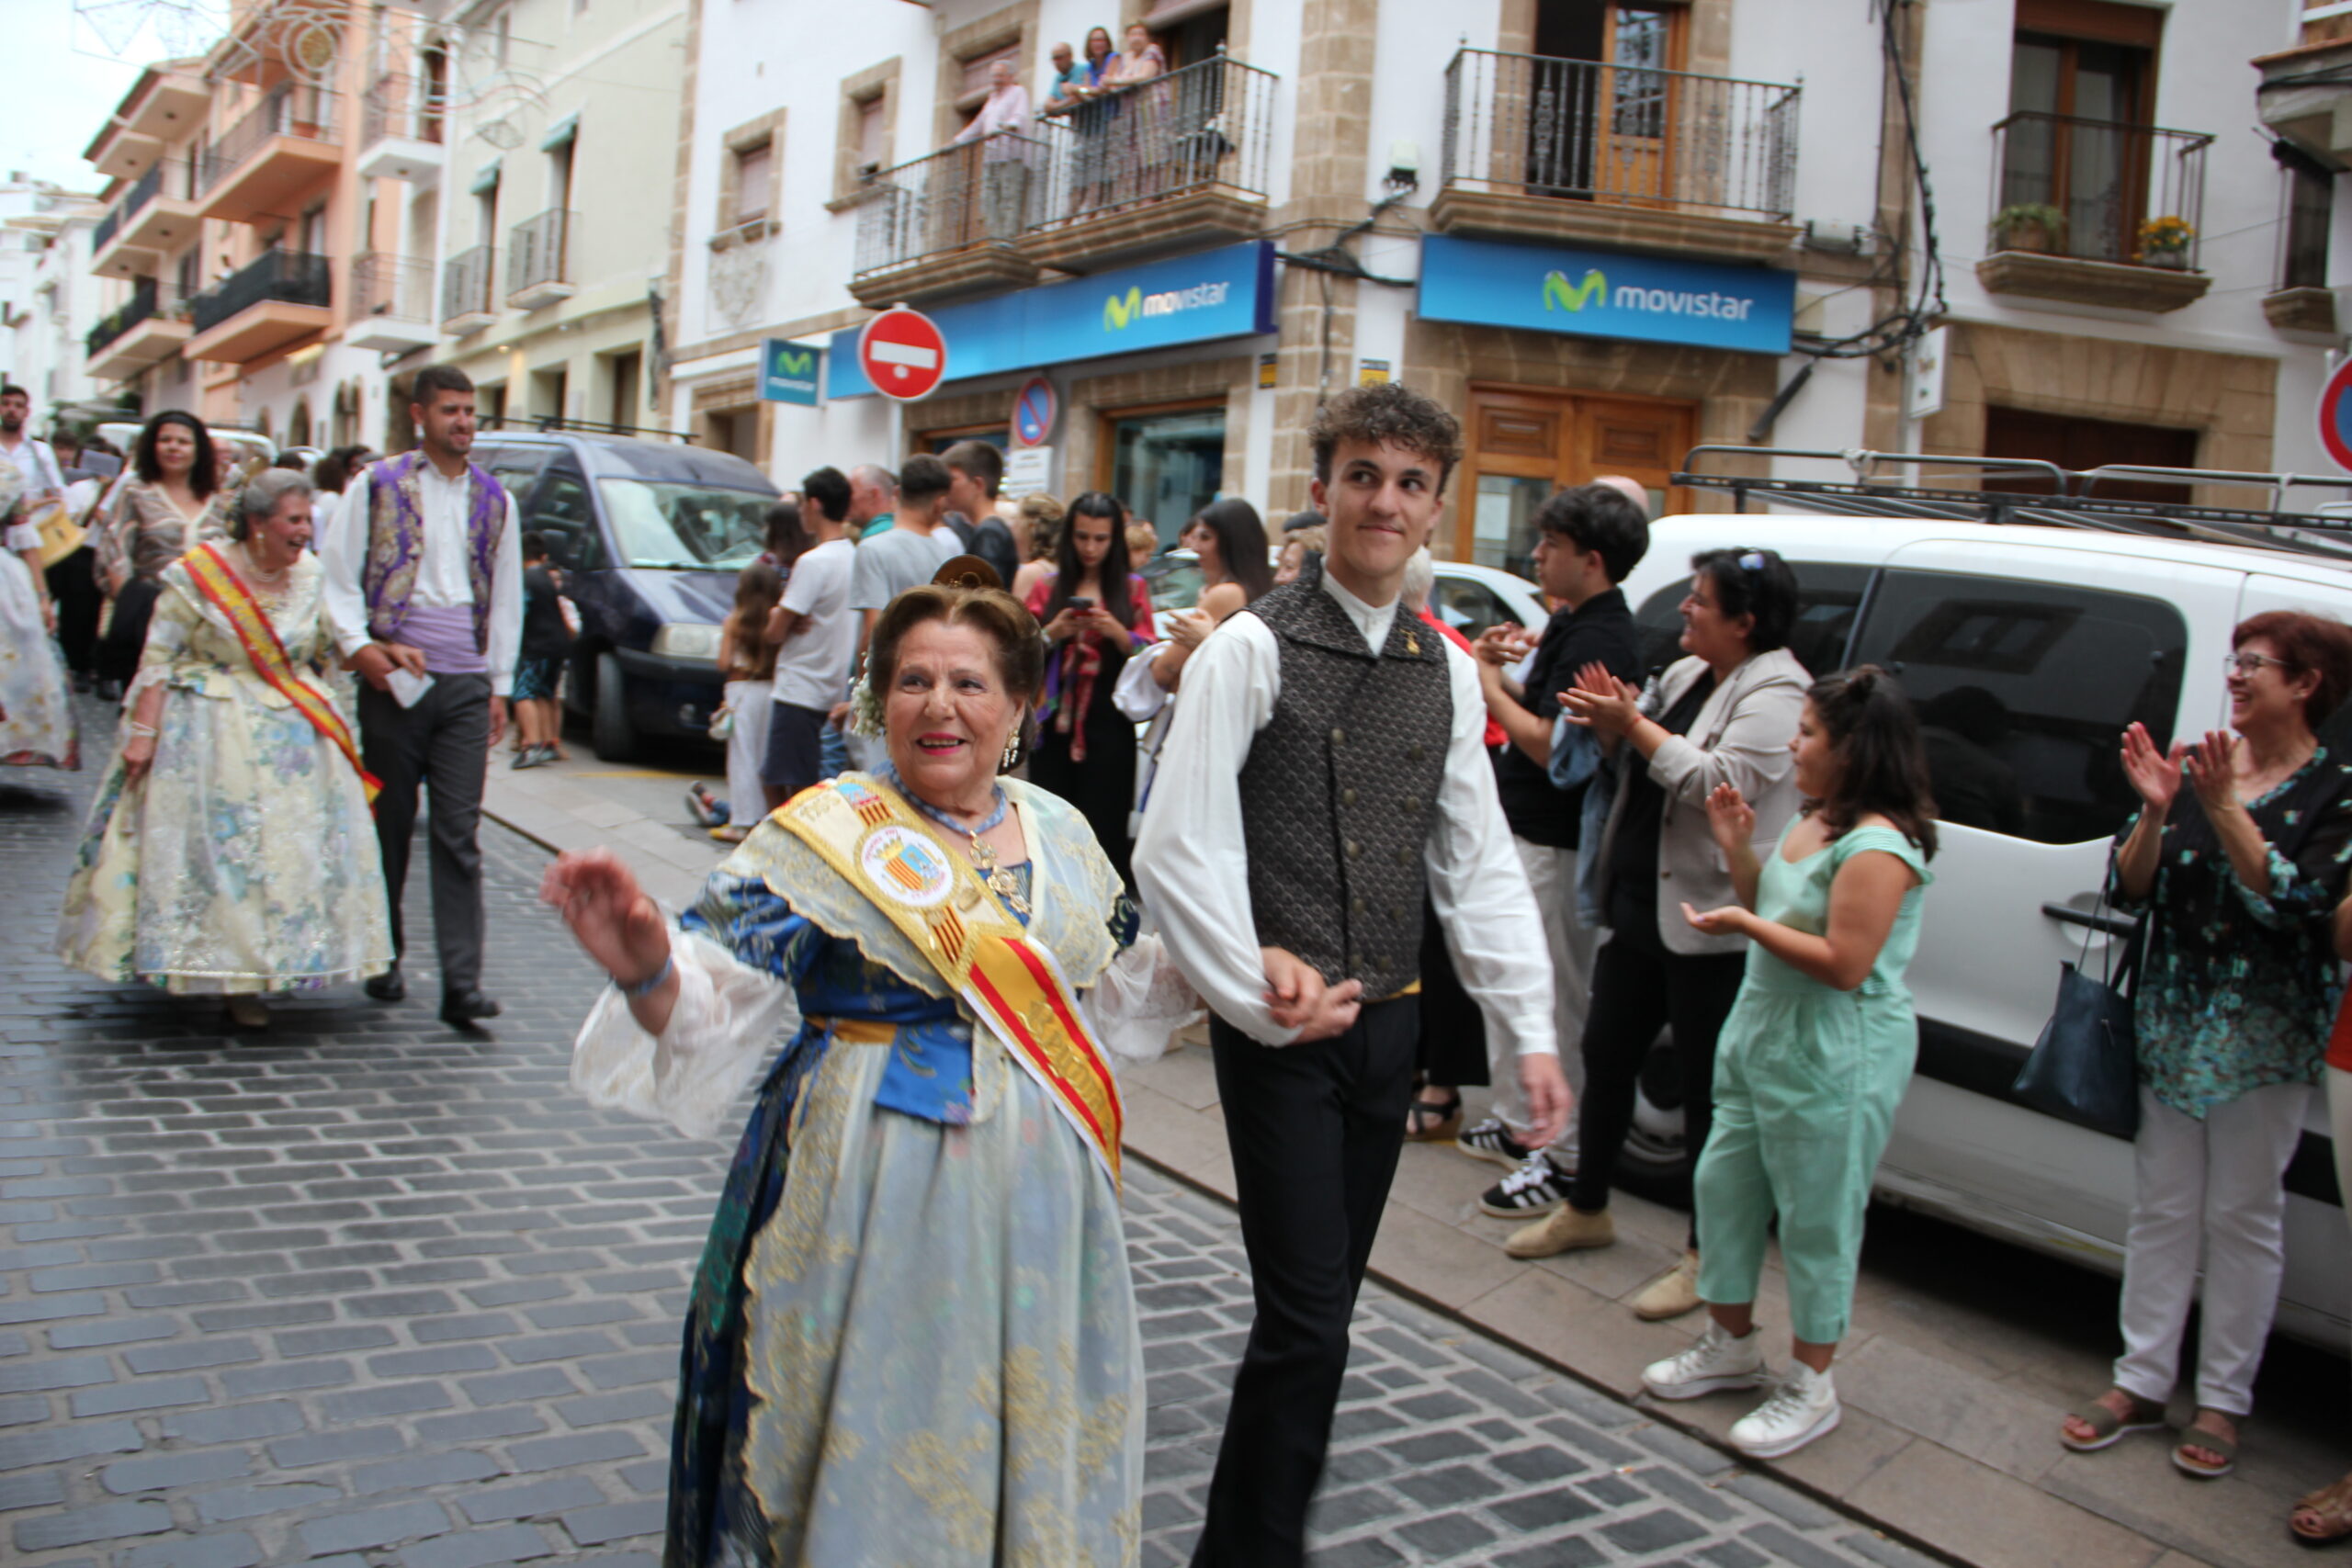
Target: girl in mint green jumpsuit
1814, 1060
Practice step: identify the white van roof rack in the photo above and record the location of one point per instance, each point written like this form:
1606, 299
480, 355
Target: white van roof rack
2068, 499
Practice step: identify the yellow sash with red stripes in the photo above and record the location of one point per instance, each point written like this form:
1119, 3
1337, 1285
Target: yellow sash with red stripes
227, 593
868, 834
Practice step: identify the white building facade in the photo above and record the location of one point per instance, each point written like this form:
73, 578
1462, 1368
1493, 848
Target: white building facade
1601, 234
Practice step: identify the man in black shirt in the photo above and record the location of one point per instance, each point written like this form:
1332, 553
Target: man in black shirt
1588, 540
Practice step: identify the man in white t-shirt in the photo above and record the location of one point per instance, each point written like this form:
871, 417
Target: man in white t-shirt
907, 555
816, 634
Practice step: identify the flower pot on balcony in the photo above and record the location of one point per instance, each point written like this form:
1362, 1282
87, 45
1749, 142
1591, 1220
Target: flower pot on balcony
2024, 237
2171, 261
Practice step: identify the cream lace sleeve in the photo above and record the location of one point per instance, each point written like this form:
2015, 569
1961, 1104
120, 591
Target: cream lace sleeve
729, 1020
1140, 1001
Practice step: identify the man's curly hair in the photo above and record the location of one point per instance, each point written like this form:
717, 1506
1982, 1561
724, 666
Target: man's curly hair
1387, 414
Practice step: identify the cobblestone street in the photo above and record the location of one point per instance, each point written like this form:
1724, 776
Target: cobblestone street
362, 1291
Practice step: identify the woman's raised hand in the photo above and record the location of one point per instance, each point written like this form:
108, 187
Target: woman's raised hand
2154, 775
1600, 701
1730, 818
612, 917
2212, 770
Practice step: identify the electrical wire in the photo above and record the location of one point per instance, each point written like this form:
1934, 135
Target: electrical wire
1898, 330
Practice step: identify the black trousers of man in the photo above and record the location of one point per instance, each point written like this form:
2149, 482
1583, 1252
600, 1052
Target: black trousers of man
1315, 1131
443, 745
73, 584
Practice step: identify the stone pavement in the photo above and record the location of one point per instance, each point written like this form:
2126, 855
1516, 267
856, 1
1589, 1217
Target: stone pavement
362, 1291
1965, 1350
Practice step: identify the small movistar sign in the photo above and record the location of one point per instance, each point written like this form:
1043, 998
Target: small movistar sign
1606, 294
788, 371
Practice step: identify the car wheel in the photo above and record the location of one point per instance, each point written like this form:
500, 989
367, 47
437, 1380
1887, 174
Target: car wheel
612, 736
1656, 1160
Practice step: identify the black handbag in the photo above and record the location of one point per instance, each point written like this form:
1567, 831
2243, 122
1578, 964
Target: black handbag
2084, 1068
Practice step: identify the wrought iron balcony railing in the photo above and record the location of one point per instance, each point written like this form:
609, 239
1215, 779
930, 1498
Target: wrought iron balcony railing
304, 112
990, 189
1593, 130
2098, 190
282, 276
141, 304
537, 251
1209, 124
407, 107
399, 287
465, 283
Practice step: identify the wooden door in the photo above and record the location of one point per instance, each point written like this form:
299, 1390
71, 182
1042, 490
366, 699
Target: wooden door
1635, 144
1524, 445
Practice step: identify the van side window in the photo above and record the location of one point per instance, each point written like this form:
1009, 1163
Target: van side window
1829, 594
561, 510
2022, 690
1468, 607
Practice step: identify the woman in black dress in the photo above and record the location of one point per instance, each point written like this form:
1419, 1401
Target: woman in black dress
1095, 613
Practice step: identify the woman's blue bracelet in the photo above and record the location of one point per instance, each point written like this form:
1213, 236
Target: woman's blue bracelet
653, 983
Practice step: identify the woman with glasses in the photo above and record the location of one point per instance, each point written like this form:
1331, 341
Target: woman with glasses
1723, 715
2237, 858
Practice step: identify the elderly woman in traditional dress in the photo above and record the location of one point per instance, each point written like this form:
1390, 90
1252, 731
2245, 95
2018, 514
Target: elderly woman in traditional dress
229, 852
36, 713
912, 1337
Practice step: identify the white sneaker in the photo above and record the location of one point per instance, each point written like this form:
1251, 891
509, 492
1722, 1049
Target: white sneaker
1803, 1408
1716, 1361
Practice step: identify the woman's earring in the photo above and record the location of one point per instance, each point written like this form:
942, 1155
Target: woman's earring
1012, 757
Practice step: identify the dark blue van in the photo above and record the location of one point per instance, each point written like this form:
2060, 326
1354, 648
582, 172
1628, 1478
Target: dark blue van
649, 536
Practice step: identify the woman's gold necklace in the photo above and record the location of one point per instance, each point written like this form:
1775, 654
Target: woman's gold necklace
999, 880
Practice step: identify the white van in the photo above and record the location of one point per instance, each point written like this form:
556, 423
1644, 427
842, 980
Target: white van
2034, 645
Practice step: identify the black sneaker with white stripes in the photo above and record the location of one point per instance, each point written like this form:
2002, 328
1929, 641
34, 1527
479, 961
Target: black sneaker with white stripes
1537, 1187
1491, 1141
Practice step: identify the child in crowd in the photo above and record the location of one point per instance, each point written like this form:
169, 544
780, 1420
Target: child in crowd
539, 666
1817, 1050
748, 660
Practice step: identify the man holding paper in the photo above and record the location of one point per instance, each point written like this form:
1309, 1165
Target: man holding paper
425, 590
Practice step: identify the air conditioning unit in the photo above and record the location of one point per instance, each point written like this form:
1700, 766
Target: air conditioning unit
1838, 237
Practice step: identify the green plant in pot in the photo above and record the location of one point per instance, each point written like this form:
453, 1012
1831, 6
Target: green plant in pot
2028, 226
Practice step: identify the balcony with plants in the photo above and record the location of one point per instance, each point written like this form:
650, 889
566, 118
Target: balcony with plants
2096, 213
285, 148
273, 302
1617, 153
146, 328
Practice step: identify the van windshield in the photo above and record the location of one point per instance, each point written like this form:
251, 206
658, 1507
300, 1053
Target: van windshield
686, 528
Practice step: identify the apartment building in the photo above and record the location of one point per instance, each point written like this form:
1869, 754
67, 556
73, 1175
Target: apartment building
49, 296
150, 243
532, 141
1602, 233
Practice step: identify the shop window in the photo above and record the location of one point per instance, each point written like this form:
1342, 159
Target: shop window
1166, 466
2021, 688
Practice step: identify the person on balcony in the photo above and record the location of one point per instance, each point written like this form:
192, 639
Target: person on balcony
1141, 115
1078, 92
1004, 166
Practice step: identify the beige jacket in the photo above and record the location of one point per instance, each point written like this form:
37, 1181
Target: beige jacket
1740, 737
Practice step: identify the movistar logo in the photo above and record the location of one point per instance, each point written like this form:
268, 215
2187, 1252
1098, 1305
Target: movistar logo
1556, 292
1120, 312
794, 361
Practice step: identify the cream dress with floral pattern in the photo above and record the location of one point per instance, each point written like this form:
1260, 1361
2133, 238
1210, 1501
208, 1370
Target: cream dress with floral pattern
245, 861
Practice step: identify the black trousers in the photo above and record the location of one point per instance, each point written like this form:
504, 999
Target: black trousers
442, 745
1315, 1132
1639, 987
73, 583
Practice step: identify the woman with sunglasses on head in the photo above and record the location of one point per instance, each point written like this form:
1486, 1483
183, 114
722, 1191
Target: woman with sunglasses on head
2236, 988
1722, 715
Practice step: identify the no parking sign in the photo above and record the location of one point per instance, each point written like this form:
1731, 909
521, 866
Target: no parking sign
2336, 415
1034, 408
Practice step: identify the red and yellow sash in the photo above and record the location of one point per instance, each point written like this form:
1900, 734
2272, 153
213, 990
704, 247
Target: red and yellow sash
867, 834
228, 594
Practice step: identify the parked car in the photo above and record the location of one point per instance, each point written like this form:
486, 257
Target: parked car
1468, 598
2030, 649
649, 537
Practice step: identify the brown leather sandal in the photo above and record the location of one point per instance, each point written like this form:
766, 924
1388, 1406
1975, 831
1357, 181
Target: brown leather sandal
2331, 1511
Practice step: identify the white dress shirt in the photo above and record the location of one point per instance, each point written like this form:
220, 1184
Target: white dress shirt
38, 462
1007, 108
1195, 872
443, 579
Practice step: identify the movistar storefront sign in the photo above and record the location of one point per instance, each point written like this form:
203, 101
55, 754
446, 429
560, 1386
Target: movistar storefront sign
1607, 294
1228, 292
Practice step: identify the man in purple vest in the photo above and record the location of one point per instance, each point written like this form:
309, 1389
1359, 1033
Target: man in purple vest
425, 590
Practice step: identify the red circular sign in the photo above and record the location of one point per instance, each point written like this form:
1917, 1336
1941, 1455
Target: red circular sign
2336, 415
903, 354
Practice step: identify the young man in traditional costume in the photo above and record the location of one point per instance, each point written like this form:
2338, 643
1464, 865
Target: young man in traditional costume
1324, 768
425, 590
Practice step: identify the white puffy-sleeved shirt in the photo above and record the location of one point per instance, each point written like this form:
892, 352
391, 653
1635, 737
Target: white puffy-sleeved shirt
442, 579
1194, 871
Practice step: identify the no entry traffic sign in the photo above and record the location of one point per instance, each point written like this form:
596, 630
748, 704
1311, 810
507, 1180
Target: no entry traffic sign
2336, 415
1032, 412
903, 354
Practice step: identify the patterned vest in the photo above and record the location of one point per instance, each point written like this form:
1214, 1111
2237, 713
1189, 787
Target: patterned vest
396, 542
1340, 791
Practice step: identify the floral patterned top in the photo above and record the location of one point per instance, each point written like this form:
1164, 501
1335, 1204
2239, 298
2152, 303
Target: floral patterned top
2236, 989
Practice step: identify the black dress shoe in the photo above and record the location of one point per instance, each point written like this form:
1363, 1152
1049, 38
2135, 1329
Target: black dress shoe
389, 987
463, 1010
